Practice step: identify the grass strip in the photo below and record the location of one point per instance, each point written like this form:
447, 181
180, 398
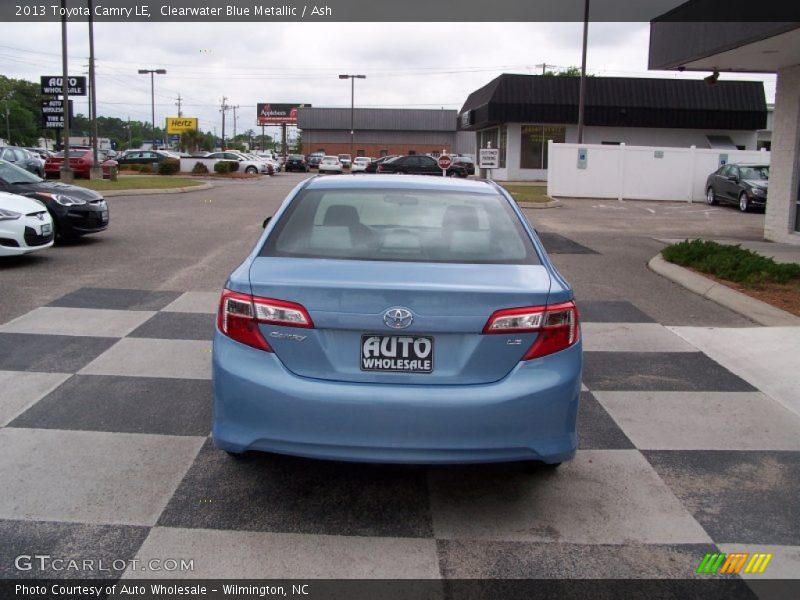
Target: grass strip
731, 263
528, 193
137, 182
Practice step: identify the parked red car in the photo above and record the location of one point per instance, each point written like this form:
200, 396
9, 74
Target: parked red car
80, 161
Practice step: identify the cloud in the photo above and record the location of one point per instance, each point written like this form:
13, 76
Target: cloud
407, 64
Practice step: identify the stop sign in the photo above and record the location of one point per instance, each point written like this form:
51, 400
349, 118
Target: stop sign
445, 161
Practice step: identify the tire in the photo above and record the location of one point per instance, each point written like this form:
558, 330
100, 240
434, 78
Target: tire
537, 468
251, 170
238, 456
711, 197
744, 202
452, 174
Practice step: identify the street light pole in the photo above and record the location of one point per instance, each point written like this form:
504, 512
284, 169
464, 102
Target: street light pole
582, 92
352, 79
152, 73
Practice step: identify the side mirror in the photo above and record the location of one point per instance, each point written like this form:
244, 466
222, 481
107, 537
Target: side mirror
266, 222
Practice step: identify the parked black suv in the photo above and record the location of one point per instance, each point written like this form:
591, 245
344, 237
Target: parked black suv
296, 162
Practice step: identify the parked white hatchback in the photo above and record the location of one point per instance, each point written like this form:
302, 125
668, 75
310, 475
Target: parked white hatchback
360, 164
25, 225
330, 164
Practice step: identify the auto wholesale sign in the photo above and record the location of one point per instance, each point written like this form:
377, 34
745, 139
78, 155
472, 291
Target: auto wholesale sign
53, 114
52, 85
277, 114
181, 124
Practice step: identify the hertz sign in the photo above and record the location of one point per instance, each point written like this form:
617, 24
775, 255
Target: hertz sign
181, 124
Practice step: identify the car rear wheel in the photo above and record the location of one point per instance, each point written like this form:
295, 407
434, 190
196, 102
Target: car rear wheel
744, 202
711, 197
238, 455
251, 170
536, 467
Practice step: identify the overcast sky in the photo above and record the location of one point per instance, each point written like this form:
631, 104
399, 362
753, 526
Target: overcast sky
425, 65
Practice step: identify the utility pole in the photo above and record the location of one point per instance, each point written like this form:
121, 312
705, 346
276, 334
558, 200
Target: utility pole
96, 172
223, 108
8, 122
66, 173
234, 121
178, 104
544, 67
130, 133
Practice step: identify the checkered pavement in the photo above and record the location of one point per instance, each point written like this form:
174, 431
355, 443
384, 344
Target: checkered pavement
105, 408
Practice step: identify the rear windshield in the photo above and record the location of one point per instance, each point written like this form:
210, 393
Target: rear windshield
72, 154
401, 225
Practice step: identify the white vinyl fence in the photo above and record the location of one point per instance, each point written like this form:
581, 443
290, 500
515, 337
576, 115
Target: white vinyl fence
187, 164
637, 172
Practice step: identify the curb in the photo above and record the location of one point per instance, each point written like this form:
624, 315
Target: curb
551, 204
180, 190
756, 310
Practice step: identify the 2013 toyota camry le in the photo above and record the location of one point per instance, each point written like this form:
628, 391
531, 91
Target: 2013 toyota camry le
398, 319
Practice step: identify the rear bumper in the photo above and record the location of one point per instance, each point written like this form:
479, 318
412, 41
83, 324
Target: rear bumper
528, 415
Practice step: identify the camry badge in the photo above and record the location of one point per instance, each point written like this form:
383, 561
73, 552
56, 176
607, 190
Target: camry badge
398, 318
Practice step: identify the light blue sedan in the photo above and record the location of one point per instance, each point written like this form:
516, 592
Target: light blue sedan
398, 319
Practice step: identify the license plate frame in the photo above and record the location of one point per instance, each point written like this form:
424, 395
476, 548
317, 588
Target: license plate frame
406, 346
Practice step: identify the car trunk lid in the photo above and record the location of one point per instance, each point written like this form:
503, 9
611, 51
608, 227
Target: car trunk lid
348, 299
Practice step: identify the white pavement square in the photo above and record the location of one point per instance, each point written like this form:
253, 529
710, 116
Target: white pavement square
254, 555
703, 420
95, 322
195, 302
601, 497
755, 354
144, 357
20, 390
90, 477
632, 337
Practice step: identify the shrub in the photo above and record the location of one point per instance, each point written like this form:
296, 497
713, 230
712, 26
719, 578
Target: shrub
733, 263
169, 166
226, 166
132, 167
199, 169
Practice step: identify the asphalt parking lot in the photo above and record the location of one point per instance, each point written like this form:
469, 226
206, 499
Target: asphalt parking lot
105, 413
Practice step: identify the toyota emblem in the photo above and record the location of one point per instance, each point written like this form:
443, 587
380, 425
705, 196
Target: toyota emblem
398, 318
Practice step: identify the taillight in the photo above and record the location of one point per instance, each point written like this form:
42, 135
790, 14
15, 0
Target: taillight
557, 325
239, 316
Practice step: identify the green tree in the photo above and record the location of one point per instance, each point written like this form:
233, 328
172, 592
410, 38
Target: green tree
566, 72
20, 107
191, 141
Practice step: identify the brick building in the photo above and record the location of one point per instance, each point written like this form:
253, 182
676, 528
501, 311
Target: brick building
382, 131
